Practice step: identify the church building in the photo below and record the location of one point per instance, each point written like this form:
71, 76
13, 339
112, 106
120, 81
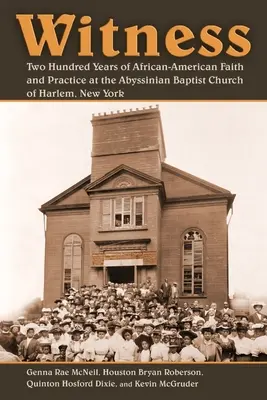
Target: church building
137, 217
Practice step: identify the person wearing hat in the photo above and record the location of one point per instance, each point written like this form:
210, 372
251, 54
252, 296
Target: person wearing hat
114, 338
22, 323
165, 337
54, 322
75, 349
259, 346
99, 349
186, 323
258, 330
144, 342
243, 344
45, 354
138, 329
7, 339
211, 350
196, 315
44, 335
159, 351
29, 347
15, 330
174, 293
127, 352
257, 316
65, 325
148, 327
46, 313
173, 355
62, 353
227, 345
57, 340
190, 353
89, 335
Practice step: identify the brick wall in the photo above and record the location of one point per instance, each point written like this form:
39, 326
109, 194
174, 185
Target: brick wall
128, 132
146, 161
149, 257
59, 226
211, 219
132, 138
151, 211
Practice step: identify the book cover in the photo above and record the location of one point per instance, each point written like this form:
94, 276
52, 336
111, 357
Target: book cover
133, 224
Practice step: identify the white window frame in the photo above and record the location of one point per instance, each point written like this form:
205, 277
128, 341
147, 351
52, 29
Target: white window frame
192, 293
123, 213
143, 210
71, 245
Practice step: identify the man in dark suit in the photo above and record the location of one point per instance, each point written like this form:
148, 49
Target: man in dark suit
227, 310
29, 347
166, 291
257, 317
205, 312
218, 313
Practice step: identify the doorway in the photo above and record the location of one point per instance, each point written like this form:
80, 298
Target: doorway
121, 274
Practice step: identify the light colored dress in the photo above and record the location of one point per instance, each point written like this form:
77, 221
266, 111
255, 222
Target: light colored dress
159, 352
100, 348
75, 346
127, 351
191, 354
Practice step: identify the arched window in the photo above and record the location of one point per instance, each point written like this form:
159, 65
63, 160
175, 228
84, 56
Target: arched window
72, 262
193, 263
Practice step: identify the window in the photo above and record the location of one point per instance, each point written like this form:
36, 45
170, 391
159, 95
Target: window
72, 262
193, 263
123, 212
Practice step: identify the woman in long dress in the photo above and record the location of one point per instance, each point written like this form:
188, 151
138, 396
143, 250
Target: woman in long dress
159, 350
100, 348
127, 352
227, 345
75, 347
144, 342
243, 345
211, 350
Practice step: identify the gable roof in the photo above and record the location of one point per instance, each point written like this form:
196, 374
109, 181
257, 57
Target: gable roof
55, 200
122, 169
194, 179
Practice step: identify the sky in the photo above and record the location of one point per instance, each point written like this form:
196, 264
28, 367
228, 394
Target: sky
45, 148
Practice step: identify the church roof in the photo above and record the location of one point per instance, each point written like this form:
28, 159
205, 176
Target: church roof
49, 205
194, 179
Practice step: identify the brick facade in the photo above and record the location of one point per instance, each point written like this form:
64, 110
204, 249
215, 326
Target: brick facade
130, 146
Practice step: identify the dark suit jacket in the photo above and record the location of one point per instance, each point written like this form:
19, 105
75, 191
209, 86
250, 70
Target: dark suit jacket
30, 353
166, 290
255, 319
204, 313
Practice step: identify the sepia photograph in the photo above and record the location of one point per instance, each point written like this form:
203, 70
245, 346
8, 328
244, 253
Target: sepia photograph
133, 232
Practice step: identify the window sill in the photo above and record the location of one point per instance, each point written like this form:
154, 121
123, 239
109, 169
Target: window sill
193, 296
127, 229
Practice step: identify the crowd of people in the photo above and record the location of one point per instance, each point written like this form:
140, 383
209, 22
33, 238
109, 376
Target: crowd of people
126, 323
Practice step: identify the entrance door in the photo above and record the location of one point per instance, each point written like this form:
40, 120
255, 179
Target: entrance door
121, 274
